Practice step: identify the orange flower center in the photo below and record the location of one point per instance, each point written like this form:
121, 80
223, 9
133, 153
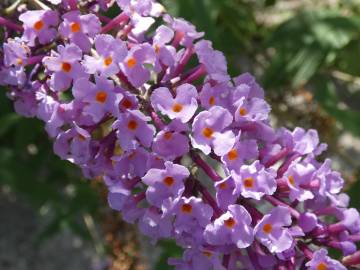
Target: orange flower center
101, 96
249, 182
212, 100
177, 107
168, 135
169, 181
267, 228
207, 253
292, 180
75, 27
230, 223
133, 154
321, 266
19, 61
132, 125
81, 137
131, 62
108, 61
127, 104
157, 49
223, 185
66, 67
233, 154
186, 208
242, 111
39, 25
207, 132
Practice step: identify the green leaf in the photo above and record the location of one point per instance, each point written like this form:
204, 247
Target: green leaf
169, 249
347, 59
325, 94
305, 64
7, 121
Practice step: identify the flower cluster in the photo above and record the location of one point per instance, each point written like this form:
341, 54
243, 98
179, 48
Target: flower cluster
186, 151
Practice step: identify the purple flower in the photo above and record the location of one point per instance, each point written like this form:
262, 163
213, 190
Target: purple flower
350, 219
194, 259
12, 76
217, 95
254, 181
298, 178
133, 163
242, 151
321, 261
129, 102
225, 192
133, 125
232, 227
111, 52
99, 98
15, 53
185, 32
192, 214
254, 109
164, 54
170, 144
155, 225
247, 86
39, 24
133, 66
214, 61
142, 7
182, 107
305, 142
307, 222
270, 230
209, 131
64, 66
165, 183
73, 145
80, 29
118, 195
331, 182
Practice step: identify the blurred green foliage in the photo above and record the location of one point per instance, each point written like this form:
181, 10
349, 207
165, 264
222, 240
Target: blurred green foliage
29, 168
288, 46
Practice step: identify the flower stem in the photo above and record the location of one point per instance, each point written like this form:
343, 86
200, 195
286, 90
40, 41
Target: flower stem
276, 202
209, 199
226, 261
200, 71
353, 259
305, 250
272, 160
73, 4
10, 24
35, 59
183, 61
253, 258
122, 17
354, 237
205, 167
